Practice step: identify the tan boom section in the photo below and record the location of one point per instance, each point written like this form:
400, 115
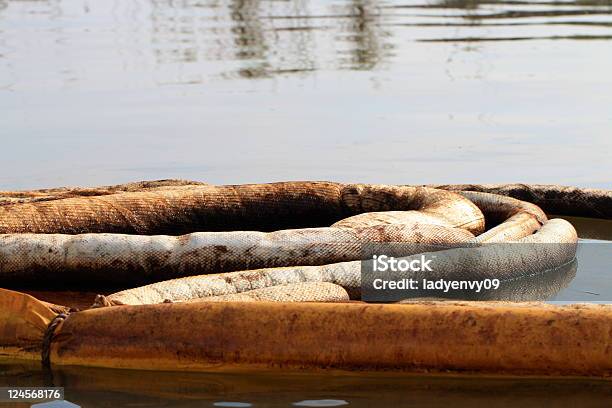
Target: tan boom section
554, 199
106, 239
552, 246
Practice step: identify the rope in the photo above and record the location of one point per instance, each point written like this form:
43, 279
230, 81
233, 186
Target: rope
48, 338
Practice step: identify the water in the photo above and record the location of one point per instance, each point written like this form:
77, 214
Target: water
97, 388
235, 91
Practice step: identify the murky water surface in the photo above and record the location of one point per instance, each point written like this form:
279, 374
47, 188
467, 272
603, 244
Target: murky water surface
234, 91
125, 388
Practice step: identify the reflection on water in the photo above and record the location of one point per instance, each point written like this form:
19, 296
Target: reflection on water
292, 36
320, 403
268, 37
261, 38
271, 37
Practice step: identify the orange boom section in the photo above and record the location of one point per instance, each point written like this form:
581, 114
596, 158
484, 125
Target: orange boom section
482, 337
